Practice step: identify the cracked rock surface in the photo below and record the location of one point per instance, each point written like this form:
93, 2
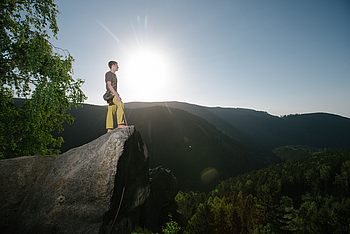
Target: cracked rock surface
95, 188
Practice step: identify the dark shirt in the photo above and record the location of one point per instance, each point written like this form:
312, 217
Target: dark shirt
110, 76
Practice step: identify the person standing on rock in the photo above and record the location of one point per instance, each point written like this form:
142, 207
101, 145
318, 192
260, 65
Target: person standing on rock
115, 113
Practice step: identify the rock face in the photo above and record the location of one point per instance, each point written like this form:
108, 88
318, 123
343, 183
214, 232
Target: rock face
99, 187
161, 202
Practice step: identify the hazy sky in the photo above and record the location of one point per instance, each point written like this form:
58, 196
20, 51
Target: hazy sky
279, 56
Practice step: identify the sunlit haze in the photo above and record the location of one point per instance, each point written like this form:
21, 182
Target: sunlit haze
283, 57
149, 73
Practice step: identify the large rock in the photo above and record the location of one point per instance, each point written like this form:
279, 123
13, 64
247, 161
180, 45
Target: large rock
96, 188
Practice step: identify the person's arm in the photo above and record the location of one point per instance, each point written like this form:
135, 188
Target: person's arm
114, 92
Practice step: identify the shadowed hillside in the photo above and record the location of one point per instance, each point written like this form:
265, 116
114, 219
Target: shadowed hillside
89, 123
194, 149
265, 131
197, 153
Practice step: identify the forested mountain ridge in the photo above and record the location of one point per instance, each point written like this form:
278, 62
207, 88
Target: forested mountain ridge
308, 196
265, 131
249, 127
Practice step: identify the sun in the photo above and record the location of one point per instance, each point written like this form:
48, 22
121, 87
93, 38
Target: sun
147, 72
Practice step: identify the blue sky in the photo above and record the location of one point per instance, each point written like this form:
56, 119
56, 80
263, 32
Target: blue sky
283, 57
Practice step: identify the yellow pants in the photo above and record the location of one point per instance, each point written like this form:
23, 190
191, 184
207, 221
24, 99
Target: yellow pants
115, 114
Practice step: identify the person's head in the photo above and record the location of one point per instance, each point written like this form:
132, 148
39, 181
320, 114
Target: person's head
113, 65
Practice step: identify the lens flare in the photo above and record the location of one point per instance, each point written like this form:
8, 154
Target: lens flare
208, 175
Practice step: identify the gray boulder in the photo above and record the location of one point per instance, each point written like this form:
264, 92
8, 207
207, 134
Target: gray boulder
99, 187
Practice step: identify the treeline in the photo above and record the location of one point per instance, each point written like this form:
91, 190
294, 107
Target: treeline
33, 69
309, 196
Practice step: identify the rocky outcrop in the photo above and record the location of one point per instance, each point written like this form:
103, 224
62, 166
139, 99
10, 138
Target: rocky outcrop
161, 204
96, 188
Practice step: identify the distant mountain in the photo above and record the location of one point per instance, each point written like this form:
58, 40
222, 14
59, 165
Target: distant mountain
266, 131
89, 123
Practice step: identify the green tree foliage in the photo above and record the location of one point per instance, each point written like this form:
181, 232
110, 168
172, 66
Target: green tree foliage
32, 68
171, 227
310, 196
188, 202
